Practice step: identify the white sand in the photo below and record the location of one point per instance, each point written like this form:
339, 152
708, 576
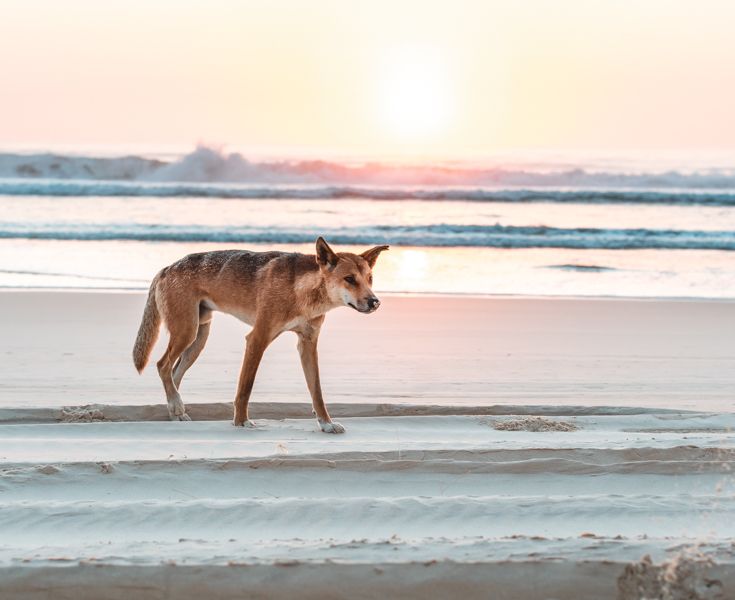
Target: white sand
451, 492
74, 348
423, 505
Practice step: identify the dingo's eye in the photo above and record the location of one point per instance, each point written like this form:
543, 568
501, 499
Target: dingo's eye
370, 279
351, 280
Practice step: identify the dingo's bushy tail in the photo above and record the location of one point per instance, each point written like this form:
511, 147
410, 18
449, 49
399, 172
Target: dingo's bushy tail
150, 325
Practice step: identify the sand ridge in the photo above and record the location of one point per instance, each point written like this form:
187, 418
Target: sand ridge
284, 496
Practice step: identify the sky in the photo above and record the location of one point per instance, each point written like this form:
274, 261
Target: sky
440, 78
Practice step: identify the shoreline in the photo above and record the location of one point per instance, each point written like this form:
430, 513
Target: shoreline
454, 271
394, 294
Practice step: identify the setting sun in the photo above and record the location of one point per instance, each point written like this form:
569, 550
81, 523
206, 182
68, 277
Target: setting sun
414, 92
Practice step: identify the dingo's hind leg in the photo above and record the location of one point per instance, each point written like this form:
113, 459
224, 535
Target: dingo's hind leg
183, 330
192, 352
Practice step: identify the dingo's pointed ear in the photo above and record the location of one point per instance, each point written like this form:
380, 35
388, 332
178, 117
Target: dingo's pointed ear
372, 255
325, 256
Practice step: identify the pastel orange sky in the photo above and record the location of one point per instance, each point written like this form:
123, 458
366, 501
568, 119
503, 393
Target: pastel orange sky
448, 78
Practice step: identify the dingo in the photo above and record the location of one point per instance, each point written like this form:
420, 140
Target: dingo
272, 291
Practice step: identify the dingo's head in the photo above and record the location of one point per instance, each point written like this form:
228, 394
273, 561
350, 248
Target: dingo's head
349, 277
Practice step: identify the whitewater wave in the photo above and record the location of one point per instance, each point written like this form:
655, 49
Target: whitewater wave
210, 166
492, 236
57, 188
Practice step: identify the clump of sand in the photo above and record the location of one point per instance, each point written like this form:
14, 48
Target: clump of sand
682, 578
534, 424
81, 414
48, 469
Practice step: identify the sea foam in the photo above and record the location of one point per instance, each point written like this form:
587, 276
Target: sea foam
437, 235
333, 179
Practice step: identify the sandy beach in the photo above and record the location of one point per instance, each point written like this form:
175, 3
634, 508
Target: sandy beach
495, 447
73, 348
525, 214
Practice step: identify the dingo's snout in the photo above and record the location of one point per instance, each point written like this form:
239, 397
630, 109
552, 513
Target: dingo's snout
367, 306
373, 303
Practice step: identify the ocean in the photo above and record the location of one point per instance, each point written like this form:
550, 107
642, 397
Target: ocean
584, 225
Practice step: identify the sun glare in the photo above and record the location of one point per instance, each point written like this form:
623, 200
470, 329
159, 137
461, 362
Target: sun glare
412, 265
414, 92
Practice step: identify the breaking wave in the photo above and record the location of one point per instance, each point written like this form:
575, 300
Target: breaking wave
492, 236
211, 173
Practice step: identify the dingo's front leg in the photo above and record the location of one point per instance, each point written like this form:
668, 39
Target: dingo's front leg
308, 337
257, 341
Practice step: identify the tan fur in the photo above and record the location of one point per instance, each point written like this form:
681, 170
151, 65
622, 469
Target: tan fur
272, 291
148, 332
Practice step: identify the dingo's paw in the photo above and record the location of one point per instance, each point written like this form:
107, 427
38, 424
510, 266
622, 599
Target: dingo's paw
177, 410
331, 427
247, 423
